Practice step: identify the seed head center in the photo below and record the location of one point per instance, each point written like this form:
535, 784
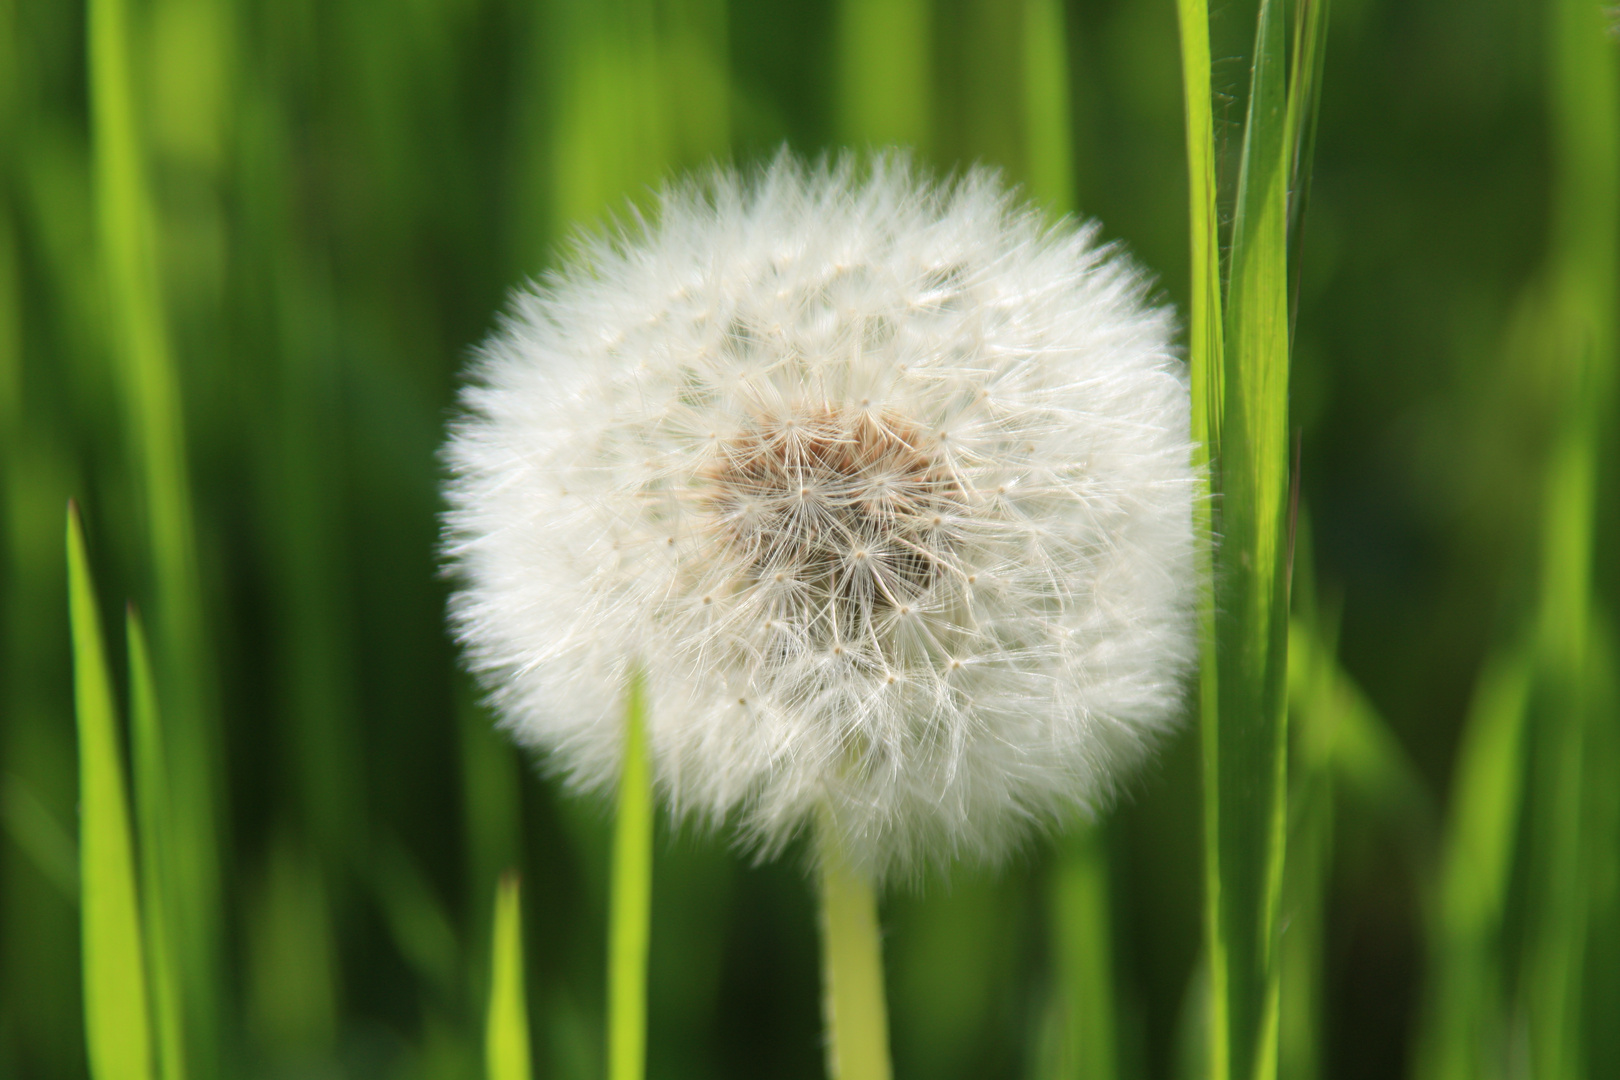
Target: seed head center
847, 506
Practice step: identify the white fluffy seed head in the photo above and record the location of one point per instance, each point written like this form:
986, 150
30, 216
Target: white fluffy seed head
885, 486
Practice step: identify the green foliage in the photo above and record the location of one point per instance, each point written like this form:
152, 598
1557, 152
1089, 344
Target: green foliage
246, 246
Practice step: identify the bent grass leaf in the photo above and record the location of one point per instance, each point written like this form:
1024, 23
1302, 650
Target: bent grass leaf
115, 1006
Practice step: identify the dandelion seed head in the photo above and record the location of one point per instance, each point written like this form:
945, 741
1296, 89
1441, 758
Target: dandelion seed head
884, 484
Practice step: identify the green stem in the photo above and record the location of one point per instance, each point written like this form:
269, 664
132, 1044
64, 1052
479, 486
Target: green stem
630, 905
852, 970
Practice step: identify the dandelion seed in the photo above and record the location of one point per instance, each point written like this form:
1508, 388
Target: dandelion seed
896, 424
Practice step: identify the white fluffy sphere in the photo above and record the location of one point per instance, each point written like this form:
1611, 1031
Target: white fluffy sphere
886, 486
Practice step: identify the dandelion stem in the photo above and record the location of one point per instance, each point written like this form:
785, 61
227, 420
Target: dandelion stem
851, 970
630, 906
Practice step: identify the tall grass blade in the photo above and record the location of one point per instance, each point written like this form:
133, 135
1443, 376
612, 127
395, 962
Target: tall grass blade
1048, 125
116, 1017
506, 1032
150, 399
885, 72
1246, 761
1462, 1037
1585, 122
1082, 960
630, 904
1206, 353
1304, 100
1601, 1001
152, 811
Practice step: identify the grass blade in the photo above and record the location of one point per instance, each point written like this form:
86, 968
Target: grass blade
150, 398
115, 1007
1585, 124
630, 904
506, 1032
1206, 355
1047, 123
152, 811
1245, 764
1304, 99
885, 74
1463, 1026
1083, 960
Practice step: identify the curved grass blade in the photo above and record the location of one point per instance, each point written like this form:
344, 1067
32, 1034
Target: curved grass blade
116, 1030
630, 904
506, 1031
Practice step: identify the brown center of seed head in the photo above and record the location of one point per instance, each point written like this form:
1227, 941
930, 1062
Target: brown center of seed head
845, 513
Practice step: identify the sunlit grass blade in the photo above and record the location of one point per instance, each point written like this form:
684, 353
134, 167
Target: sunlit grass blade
152, 811
506, 1032
1584, 67
885, 73
1206, 356
1344, 754
1082, 960
1047, 123
1463, 1031
1304, 99
1601, 991
1245, 766
854, 1007
116, 1017
630, 902
151, 401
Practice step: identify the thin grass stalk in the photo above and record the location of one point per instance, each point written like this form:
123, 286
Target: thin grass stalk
1048, 125
152, 812
1463, 1026
854, 1009
506, 1027
1206, 354
116, 1016
1304, 105
630, 902
885, 73
150, 397
1585, 121
1246, 762
1082, 948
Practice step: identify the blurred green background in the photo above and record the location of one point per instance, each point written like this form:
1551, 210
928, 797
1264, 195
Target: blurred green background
341, 196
